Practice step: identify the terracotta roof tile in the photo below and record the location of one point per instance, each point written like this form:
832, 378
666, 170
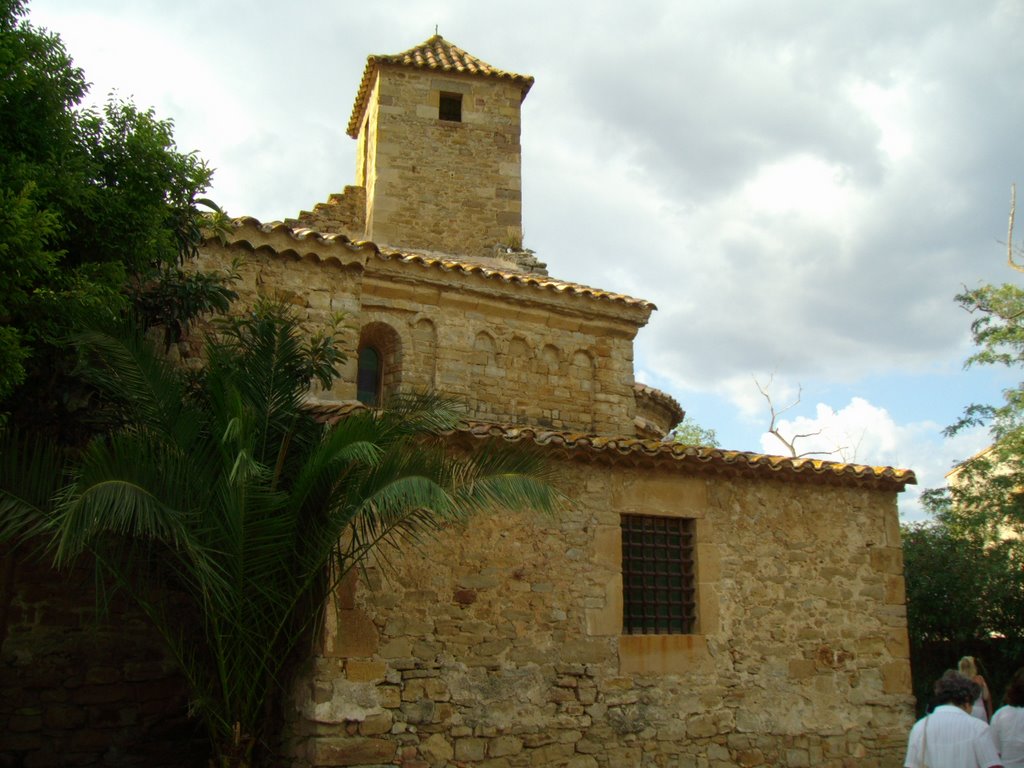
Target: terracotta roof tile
435, 53
250, 231
698, 458
662, 398
637, 451
517, 278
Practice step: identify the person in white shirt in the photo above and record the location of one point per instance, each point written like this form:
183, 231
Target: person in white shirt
1008, 723
949, 737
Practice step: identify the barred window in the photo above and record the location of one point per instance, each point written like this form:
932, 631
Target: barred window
450, 107
658, 583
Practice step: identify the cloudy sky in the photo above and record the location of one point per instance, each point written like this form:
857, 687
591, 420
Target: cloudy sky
801, 187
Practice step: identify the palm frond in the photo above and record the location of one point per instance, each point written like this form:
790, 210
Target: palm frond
497, 476
144, 386
422, 414
31, 473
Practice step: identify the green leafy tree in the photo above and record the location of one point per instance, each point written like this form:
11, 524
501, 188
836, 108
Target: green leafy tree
689, 432
959, 588
228, 513
987, 497
965, 596
98, 211
965, 569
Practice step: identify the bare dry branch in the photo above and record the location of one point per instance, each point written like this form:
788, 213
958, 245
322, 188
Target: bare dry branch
1009, 233
773, 428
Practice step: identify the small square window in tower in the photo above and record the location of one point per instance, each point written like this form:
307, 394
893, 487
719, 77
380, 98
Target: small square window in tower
450, 107
658, 580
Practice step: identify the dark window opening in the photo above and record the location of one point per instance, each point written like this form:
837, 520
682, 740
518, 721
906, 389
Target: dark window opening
658, 577
450, 107
368, 378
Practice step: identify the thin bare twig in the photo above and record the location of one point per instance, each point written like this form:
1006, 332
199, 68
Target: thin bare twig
1009, 231
773, 428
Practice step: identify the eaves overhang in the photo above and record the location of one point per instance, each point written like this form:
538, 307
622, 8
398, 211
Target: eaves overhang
630, 451
282, 241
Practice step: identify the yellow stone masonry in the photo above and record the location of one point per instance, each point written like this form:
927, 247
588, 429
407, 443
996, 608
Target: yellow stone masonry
439, 184
488, 645
514, 354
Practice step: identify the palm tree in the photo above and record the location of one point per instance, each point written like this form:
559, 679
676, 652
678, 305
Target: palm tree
228, 512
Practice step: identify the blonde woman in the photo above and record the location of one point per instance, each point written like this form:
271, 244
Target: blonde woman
982, 707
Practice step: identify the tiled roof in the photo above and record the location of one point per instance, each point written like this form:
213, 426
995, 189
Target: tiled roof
339, 248
697, 458
303, 243
703, 460
664, 399
435, 53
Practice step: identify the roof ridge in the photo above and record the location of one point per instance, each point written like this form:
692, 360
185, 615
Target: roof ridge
654, 393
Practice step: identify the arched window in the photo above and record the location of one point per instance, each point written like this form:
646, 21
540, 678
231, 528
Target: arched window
368, 379
379, 364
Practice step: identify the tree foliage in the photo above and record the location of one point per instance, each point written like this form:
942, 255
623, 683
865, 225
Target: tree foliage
965, 569
689, 432
98, 209
987, 495
960, 587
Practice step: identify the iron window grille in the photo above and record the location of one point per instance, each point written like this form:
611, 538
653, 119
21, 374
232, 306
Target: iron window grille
450, 107
658, 582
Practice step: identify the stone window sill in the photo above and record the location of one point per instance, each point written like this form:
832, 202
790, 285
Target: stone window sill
663, 654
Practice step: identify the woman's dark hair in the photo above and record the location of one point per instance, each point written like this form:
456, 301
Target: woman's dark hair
954, 688
1014, 695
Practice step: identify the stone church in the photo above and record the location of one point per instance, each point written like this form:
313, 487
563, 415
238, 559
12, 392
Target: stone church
690, 606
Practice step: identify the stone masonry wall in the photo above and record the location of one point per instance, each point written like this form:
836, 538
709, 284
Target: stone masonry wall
344, 214
82, 689
546, 361
511, 362
498, 644
436, 184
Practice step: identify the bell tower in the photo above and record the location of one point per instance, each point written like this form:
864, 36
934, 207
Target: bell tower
438, 150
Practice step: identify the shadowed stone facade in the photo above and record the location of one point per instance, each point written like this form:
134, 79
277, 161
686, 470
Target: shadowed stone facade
501, 644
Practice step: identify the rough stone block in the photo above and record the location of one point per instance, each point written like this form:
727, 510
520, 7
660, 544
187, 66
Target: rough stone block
350, 633
349, 751
358, 670
896, 676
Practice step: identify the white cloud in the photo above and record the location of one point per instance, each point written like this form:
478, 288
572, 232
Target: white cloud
887, 107
802, 184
